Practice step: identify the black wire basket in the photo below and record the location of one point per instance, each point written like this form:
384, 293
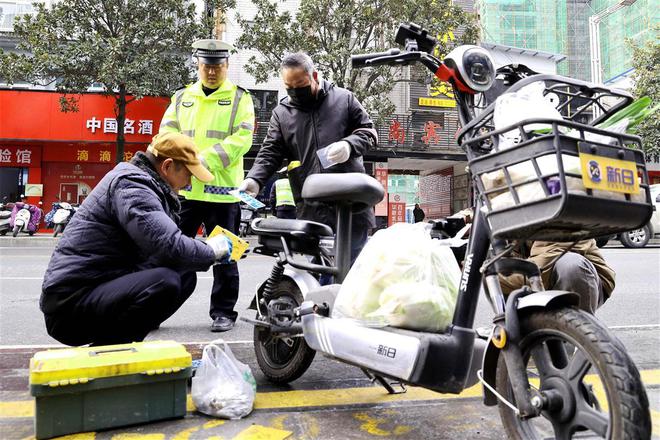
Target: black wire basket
563, 180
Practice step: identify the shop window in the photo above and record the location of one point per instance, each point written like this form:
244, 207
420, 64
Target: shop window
264, 100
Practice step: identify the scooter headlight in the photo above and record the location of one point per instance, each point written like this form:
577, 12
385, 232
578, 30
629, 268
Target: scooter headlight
475, 66
479, 69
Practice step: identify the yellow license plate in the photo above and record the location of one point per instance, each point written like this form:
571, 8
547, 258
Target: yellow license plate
609, 174
239, 246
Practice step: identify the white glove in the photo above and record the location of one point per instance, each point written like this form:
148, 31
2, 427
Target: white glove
339, 152
249, 186
221, 246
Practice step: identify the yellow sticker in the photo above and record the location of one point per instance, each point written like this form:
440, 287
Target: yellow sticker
607, 174
239, 246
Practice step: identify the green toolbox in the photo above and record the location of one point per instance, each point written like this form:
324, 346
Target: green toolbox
93, 388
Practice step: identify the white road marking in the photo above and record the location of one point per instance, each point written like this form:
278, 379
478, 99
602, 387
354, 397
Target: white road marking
636, 327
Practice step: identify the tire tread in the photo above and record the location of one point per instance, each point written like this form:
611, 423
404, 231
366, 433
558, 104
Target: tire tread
614, 360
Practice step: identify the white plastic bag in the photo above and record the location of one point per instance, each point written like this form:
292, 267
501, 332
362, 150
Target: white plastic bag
402, 278
527, 103
223, 387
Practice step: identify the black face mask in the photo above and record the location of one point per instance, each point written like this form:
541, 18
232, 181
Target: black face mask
301, 96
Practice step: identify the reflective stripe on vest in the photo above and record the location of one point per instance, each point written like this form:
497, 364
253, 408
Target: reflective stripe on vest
178, 97
283, 194
223, 154
216, 134
244, 125
171, 124
234, 108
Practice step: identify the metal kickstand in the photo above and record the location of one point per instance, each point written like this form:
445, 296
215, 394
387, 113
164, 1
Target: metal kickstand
385, 384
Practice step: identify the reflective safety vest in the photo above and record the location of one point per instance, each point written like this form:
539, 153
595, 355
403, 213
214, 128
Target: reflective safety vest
283, 194
221, 124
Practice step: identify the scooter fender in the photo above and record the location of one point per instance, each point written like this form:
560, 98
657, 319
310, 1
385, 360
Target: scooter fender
61, 216
304, 280
547, 299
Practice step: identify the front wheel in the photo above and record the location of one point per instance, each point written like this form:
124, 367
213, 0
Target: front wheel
15, 231
57, 230
589, 385
283, 358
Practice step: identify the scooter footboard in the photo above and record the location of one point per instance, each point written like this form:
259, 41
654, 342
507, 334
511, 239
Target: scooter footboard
441, 362
372, 348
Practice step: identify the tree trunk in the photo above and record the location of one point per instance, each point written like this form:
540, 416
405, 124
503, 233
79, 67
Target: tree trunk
121, 117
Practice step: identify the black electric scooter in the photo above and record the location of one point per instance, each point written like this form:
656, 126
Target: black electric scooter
553, 369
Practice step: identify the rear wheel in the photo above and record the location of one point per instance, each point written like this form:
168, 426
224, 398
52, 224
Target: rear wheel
283, 358
636, 238
590, 385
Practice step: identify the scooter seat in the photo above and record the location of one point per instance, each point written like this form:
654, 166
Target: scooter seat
5, 215
297, 228
357, 189
301, 236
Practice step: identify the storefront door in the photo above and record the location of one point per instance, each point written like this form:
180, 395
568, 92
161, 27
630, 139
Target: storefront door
69, 192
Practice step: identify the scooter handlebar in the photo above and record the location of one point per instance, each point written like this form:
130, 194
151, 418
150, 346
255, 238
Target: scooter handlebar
374, 59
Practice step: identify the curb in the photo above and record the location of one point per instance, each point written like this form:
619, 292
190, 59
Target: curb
18, 356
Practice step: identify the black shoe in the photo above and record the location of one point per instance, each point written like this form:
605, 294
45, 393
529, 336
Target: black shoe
222, 324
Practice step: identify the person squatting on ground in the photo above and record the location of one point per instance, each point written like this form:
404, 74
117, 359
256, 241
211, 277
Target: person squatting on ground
123, 266
219, 116
582, 270
316, 114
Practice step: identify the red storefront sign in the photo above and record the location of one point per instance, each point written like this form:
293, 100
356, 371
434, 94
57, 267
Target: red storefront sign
20, 156
88, 153
397, 213
70, 152
380, 173
36, 115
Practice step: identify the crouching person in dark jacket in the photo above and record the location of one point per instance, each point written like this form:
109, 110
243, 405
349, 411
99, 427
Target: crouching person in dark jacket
123, 266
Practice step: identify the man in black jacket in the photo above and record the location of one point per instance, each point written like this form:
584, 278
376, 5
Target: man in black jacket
123, 266
315, 115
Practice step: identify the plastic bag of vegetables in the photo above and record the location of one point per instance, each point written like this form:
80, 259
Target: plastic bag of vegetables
402, 278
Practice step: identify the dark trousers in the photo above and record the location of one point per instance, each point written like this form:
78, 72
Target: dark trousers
123, 310
285, 211
224, 293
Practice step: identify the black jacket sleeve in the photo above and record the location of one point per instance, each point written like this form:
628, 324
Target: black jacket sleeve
271, 155
139, 210
363, 135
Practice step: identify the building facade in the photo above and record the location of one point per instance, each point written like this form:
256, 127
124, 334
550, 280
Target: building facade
66, 154
562, 27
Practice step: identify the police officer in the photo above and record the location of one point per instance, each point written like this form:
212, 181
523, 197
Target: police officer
281, 197
219, 116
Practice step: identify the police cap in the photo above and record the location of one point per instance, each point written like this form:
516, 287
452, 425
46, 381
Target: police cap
211, 51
